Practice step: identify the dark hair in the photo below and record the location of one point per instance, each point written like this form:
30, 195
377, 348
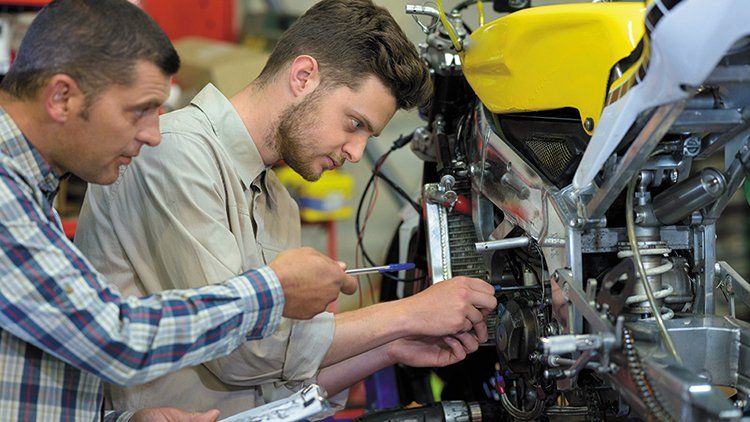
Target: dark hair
353, 39
95, 42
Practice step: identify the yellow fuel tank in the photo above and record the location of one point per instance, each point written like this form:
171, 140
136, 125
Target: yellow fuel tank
552, 57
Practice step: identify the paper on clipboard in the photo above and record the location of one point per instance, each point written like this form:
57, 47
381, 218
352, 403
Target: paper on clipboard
304, 404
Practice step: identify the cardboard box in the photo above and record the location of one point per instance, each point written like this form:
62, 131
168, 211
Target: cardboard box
228, 66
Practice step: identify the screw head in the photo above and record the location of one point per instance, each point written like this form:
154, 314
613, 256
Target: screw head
576, 222
588, 124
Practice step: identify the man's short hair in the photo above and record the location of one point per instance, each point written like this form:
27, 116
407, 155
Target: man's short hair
353, 39
95, 42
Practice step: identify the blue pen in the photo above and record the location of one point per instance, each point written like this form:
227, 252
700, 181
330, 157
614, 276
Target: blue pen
499, 288
382, 269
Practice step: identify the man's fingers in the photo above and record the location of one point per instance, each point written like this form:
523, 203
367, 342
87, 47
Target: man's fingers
342, 264
210, 416
475, 316
349, 285
469, 341
467, 326
480, 330
480, 286
482, 301
457, 348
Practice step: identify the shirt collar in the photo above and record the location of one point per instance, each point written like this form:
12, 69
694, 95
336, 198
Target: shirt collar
14, 144
232, 133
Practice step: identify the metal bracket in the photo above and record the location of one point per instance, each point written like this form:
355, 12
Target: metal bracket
578, 299
732, 281
614, 291
635, 157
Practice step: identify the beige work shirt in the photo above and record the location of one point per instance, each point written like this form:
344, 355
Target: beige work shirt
203, 206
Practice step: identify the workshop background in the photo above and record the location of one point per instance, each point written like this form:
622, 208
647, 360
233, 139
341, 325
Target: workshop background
226, 42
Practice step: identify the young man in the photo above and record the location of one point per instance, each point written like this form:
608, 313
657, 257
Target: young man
204, 202
82, 98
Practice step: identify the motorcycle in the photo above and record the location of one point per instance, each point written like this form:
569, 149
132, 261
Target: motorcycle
563, 163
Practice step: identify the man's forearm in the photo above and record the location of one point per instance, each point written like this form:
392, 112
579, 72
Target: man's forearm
367, 328
342, 375
123, 341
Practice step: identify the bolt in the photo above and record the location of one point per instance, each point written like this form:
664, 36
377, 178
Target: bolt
588, 124
640, 217
576, 222
691, 146
674, 175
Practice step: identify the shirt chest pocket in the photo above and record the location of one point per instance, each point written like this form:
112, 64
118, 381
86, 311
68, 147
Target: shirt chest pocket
276, 230
269, 251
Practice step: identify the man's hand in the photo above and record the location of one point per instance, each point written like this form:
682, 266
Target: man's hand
454, 306
310, 281
431, 351
170, 414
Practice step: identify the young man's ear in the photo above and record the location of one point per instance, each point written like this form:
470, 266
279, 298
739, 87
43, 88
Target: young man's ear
304, 75
62, 98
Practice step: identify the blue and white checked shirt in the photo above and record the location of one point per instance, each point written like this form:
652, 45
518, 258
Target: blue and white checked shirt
62, 329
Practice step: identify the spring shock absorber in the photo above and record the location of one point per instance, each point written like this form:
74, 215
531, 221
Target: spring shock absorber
653, 253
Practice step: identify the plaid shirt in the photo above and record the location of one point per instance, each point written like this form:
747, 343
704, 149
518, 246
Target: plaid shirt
62, 329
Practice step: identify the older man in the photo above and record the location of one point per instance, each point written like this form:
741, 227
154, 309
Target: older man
82, 97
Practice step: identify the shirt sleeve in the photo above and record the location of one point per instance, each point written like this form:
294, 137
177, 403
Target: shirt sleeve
185, 224
54, 299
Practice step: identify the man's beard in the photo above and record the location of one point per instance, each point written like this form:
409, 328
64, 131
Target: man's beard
291, 137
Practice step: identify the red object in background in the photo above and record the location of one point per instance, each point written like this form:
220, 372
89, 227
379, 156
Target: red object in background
179, 18
69, 227
206, 18
39, 3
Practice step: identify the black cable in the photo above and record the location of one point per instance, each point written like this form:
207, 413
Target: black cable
361, 237
399, 143
398, 190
